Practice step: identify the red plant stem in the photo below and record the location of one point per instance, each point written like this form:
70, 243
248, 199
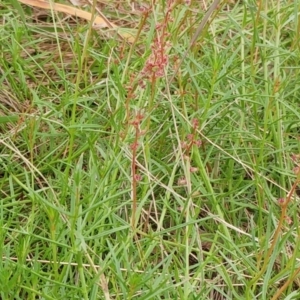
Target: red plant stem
283, 214
287, 283
134, 176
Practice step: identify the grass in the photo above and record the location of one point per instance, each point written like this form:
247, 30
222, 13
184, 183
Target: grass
158, 169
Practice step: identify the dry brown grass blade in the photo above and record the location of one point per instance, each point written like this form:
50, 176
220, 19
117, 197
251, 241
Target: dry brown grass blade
67, 10
98, 21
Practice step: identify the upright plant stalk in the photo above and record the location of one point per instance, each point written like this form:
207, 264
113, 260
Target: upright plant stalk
283, 216
153, 70
134, 181
135, 177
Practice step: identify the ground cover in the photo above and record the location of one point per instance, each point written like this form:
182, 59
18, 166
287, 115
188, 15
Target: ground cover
153, 156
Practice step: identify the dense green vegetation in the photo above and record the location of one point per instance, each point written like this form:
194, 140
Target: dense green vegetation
157, 162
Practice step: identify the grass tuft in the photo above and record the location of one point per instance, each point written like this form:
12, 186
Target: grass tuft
161, 167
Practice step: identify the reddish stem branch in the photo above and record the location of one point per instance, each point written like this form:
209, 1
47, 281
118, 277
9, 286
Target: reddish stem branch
283, 216
135, 176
